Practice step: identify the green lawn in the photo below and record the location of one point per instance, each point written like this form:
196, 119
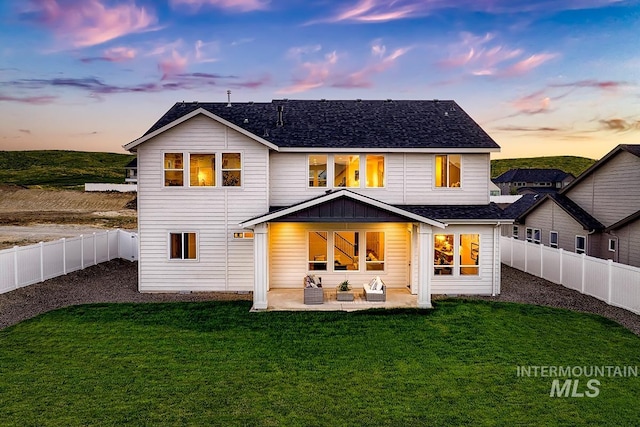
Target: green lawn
218, 364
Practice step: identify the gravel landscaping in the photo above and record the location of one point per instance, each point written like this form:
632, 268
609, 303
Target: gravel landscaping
116, 281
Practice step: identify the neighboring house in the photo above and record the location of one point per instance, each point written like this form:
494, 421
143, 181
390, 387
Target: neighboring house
532, 181
131, 172
254, 196
494, 190
597, 214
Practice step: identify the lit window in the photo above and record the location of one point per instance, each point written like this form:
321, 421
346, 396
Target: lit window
375, 250
346, 171
443, 254
318, 250
202, 170
182, 246
231, 170
243, 235
375, 171
581, 243
173, 170
553, 239
318, 170
448, 170
345, 250
469, 254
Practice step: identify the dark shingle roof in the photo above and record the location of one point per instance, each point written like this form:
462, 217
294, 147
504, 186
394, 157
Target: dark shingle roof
349, 124
532, 175
133, 163
517, 208
490, 211
585, 219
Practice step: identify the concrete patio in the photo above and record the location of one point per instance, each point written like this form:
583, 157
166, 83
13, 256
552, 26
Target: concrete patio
293, 300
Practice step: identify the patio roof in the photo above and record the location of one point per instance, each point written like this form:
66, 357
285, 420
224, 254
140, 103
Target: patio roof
341, 206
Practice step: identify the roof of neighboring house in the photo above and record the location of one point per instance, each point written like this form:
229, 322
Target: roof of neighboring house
629, 148
309, 124
536, 190
133, 163
581, 216
533, 175
624, 221
517, 208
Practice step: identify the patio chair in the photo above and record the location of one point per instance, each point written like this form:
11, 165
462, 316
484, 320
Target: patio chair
375, 290
313, 292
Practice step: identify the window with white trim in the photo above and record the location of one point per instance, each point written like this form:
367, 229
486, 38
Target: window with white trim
346, 250
317, 255
183, 245
456, 254
374, 171
346, 170
581, 244
553, 239
514, 231
173, 170
533, 235
202, 170
448, 170
318, 170
231, 170
375, 250
612, 245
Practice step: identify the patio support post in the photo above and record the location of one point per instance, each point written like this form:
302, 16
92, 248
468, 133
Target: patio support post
261, 280
425, 264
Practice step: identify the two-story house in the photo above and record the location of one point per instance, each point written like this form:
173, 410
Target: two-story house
254, 196
532, 181
598, 214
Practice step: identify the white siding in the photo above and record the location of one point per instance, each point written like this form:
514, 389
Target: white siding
469, 285
409, 180
288, 255
612, 192
224, 263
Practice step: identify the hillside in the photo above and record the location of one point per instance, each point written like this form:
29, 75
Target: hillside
54, 168
572, 164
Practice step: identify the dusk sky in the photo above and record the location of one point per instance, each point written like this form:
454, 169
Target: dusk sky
541, 77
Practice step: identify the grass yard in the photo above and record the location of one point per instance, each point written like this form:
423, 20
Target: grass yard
217, 364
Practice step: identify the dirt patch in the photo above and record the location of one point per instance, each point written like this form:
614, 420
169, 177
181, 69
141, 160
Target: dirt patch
32, 215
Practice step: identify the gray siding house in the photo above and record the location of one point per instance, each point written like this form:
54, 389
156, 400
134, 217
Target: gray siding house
597, 214
532, 180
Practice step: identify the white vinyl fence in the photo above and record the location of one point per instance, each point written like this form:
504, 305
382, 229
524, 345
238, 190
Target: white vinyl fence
616, 284
25, 265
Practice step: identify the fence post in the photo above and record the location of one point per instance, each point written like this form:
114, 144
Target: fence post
610, 282
511, 245
41, 261
15, 267
108, 251
561, 264
95, 250
526, 257
64, 255
584, 267
541, 260
82, 251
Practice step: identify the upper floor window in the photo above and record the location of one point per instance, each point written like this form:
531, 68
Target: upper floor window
447, 172
173, 170
231, 170
202, 170
346, 170
318, 170
375, 171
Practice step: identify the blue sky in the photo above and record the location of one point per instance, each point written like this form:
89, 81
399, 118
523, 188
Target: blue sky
541, 77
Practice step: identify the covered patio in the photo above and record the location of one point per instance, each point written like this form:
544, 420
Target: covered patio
292, 300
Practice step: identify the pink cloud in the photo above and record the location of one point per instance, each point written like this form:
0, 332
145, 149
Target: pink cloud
317, 73
362, 78
89, 22
34, 100
174, 65
475, 55
240, 5
534, 103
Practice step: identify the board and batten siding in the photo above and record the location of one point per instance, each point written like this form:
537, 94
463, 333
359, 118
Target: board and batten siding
612, 192
224, 263
482, 284
409, 180
288, 253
